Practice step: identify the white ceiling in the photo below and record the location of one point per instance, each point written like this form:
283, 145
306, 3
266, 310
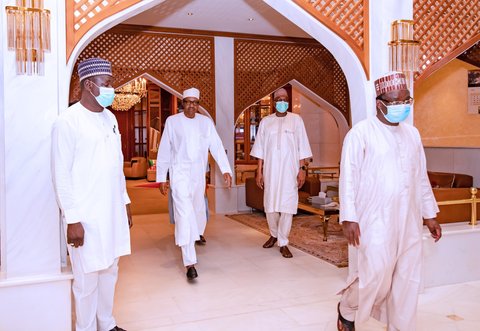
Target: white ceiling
219, 15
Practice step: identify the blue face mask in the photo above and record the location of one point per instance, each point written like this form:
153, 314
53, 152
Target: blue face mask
106, 96
281, 106
397, 113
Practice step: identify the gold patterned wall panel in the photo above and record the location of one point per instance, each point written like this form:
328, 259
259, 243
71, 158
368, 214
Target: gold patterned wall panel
263, 66
446, 29
347, 18
82, 15
179, 61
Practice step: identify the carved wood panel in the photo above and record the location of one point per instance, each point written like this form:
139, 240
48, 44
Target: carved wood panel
347, 18
82, 15
445, 29
179, 61
261, 67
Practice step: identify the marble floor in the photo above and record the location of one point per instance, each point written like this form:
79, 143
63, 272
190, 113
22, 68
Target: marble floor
242, 286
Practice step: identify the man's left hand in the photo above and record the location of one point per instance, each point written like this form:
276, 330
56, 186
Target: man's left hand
129, 215
301, 178
228, 179
434, 227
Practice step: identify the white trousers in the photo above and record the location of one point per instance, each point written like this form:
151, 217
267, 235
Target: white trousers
280, 225
93, 293
349, 302
189, 254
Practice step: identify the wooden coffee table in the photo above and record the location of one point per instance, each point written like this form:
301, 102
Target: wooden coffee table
324, 212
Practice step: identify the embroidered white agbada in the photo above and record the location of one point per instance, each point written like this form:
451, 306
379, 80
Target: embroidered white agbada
183, 153
281, 142
87, 167
384, 187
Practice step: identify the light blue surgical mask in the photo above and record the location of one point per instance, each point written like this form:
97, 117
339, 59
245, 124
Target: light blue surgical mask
281, 106
397, 113
106, 96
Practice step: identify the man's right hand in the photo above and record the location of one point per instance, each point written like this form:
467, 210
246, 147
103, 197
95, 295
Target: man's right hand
259, 179
163, 187
351, 230
75, 234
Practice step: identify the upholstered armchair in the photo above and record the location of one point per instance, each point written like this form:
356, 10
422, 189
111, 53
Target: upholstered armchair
136, 168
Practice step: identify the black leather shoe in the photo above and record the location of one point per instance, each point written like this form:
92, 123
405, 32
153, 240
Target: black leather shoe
191, 273
285, 252
342, 323
202, 241
116, 328
270, 242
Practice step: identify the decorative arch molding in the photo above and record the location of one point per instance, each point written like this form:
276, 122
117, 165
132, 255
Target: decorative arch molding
180, 61
349, 19
261, 67
445, 29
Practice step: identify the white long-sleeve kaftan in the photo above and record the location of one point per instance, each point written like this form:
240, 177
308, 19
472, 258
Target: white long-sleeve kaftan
384, 187
87, 168
183, 153
281, 142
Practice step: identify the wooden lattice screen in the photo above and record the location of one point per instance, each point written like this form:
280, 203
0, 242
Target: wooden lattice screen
179, 61
263, 66
82, 15
347, 18
446, 29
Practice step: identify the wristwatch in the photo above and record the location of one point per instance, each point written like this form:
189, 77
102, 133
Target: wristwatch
303, 168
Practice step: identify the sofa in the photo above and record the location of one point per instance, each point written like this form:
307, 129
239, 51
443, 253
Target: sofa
135, 168
452, 186
254, 194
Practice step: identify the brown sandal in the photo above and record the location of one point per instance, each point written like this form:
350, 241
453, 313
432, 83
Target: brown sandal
342, 323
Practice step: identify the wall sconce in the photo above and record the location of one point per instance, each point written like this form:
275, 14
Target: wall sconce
404, 50
28, 29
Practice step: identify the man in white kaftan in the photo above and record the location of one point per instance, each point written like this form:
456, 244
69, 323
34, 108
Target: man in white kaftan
183, 153
384, 195
281, 146
87, 168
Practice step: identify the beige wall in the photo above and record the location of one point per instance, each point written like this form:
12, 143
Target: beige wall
322, 130
441, 109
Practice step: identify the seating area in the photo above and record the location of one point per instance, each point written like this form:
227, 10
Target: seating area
254, 194
136, 168
449, 187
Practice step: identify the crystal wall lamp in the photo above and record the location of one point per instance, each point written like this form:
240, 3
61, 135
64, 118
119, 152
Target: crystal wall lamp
28, 29
404, 49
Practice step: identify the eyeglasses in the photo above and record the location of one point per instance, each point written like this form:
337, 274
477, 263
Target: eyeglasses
191, 103
409, 101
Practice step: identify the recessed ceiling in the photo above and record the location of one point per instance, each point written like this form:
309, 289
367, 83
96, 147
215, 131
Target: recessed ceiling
236, 16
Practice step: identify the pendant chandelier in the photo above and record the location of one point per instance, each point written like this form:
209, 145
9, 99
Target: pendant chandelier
129, 94
28, 30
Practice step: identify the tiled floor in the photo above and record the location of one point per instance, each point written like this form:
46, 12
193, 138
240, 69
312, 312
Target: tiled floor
242, 286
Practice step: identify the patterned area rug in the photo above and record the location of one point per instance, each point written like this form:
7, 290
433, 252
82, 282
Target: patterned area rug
307, 235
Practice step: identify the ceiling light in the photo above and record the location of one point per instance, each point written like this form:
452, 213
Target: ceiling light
251, 19
190, 14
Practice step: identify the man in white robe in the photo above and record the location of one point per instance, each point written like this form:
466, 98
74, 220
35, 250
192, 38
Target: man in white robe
87, 169
183, 153
384, 195
281, 146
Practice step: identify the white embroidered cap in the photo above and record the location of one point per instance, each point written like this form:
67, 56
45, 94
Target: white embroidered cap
191, 93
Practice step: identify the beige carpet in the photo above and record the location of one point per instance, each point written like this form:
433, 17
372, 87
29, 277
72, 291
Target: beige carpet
307, 235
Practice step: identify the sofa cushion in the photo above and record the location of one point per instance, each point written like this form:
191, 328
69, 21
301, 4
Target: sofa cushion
441, 179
